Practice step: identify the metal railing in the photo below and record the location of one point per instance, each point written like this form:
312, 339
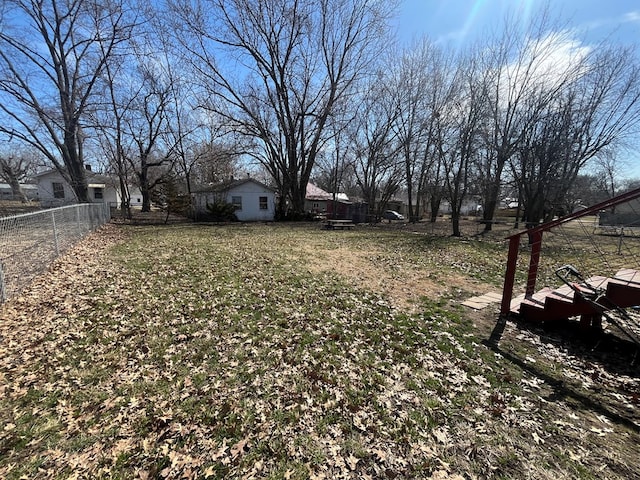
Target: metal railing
30, 242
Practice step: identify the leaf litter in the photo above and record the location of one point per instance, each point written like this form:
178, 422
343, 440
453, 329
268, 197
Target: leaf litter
217, 352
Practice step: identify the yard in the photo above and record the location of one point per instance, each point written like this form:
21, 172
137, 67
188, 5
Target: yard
289, 352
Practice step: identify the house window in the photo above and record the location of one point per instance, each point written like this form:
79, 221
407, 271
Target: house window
237, 202
58, 190
98, 193
264, 203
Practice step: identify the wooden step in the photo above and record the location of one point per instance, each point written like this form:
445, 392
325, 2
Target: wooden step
558, 308
623, 293
560, 303
533, 308
628, 275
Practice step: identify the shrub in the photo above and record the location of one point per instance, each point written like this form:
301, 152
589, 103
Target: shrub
222, 212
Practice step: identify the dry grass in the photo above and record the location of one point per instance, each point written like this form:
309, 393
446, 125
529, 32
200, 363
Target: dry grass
286, 351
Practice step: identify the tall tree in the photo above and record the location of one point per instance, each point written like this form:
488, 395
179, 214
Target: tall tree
214, 161
377, 168
465, 110
147, 124
109, 122
524, 63
52, 54
421, 87
594, 109
277, 69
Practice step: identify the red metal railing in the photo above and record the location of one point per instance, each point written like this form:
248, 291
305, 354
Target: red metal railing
535, 241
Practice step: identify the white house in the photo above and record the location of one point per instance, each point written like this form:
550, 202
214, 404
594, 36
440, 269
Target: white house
253, 200
54, 191
29, 190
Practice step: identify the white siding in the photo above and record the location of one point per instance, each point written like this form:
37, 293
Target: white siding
251, 193
110, 195
248, 193
45, 190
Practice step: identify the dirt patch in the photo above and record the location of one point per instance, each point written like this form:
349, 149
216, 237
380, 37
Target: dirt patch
400, 283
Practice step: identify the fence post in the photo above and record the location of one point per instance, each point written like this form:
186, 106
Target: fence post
78, 221
3, 292
55, 232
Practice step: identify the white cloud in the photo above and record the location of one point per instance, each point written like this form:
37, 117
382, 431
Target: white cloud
632, 17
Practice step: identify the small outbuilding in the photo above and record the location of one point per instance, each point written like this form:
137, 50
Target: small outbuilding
253, 200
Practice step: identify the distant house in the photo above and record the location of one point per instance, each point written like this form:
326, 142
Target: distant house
315, 200
469, 206
55, 191
626, 214
30, 191
253, 200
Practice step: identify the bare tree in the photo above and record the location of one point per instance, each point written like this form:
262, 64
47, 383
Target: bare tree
518, 67
187, 128
214, 161
298, 58
47, 84
464, 113
412, 84
151, 157
14, 168
376, 165
594, 110
606, 173
109, 122
421, 89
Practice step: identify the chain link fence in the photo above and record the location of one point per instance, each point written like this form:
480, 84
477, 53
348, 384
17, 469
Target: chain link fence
30, 242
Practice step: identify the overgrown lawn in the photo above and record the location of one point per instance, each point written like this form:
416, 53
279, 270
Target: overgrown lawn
256, 352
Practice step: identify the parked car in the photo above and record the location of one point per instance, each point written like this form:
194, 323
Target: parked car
392, 215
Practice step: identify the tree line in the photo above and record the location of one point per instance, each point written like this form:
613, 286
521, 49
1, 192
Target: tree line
186, 91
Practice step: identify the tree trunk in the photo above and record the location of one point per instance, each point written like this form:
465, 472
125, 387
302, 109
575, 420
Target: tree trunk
146, 198
125, 199
16, 190
78, 181
491, 200
143, 176
455, 222
298, 195
489, 207
434, 203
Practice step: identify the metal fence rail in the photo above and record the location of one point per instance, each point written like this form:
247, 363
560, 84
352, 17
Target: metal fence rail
30, 242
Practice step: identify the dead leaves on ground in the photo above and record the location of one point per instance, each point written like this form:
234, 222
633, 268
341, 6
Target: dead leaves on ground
203, 352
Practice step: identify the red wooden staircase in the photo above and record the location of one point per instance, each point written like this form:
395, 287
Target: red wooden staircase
610, 292
622, 290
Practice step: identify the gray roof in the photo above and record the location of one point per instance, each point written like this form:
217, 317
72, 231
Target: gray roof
226, 186
24, 186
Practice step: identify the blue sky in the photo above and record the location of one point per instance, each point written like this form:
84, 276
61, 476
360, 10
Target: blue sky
459, 22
